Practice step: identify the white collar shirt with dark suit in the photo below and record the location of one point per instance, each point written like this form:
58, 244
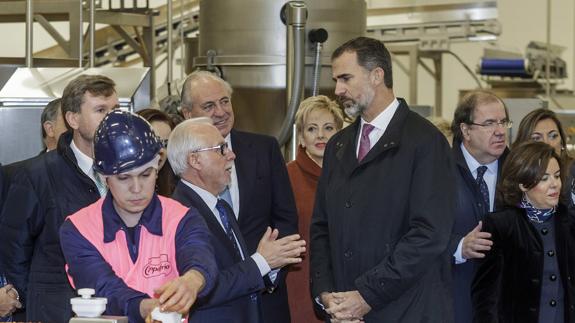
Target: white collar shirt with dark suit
236, 295
381, 226
265, 198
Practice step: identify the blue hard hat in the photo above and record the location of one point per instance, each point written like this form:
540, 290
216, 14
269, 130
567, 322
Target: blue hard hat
124, 141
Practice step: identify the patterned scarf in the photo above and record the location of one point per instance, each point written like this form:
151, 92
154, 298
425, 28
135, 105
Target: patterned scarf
534, 214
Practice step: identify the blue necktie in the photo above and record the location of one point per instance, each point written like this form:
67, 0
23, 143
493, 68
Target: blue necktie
482, 185
225, 212
227, 196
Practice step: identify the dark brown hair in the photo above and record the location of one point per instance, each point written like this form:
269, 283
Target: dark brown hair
526, 164
371, 53
466, 108
152, 115
73, 95
529, 122
167, 180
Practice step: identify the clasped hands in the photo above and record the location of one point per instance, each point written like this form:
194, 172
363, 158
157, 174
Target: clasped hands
345, 307
9, 300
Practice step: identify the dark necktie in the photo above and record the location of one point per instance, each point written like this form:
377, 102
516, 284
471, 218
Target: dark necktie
482, 185
364, 144
225, 215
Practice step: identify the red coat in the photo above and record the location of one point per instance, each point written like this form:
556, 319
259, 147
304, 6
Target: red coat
304, 175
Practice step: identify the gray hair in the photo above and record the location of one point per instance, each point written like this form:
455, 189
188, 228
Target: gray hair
183, 140
187, 91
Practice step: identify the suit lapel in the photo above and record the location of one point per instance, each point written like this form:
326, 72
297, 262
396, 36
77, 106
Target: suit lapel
190, 198
245, 164
347, 146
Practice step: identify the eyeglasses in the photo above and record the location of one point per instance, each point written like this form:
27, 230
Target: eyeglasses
492, 124
223, 147
164, 143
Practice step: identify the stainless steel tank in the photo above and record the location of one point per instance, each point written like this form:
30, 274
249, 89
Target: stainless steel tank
247, 43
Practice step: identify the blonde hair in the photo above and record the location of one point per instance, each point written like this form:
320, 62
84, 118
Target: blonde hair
318, 102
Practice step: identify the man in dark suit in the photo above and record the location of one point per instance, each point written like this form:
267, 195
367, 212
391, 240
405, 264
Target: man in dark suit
260, 191
43, 192
383, 212
480, 124
200, 156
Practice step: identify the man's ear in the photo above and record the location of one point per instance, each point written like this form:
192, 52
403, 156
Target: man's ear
376, 76
186, 113
194, 161
49, 129
72, 118
464, 127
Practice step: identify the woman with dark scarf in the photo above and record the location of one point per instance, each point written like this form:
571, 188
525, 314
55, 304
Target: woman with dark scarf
527, 276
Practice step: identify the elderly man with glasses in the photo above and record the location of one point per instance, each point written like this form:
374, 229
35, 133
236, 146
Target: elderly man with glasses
480, 125
200, 156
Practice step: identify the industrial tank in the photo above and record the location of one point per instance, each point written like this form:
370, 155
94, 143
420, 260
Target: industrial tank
246, 41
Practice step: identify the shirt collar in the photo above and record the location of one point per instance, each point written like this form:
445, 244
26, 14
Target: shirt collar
384, 117
151, 218
85, 162
210, 199
472, 163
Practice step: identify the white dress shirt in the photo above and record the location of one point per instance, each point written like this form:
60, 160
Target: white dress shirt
380, 124
233, 186
85, 162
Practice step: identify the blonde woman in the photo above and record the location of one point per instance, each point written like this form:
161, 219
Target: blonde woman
317, 119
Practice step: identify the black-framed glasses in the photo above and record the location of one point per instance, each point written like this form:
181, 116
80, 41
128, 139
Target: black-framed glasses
164, 143
223, 147
492, 124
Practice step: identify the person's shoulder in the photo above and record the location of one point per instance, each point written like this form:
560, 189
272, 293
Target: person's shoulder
252, 137
505, 216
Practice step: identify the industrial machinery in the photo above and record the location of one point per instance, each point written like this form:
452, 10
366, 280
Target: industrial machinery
268, 58
28, 91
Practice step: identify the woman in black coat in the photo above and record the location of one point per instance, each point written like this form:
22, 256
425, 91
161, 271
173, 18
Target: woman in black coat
527, 275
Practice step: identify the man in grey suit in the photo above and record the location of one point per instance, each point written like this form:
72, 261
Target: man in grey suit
383, 211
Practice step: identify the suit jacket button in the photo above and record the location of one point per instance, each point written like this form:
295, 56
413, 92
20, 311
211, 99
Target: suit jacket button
551, 253
348, 254
347, 204
544, 231
553, 277
552, 303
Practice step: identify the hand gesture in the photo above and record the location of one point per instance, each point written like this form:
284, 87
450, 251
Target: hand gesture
280, 252
476, 243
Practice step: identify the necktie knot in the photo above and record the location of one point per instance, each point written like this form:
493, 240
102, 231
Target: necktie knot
481, 171
364, 142
367, 129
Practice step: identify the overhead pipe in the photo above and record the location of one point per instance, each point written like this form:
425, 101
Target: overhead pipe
170, 54
29, 33
296, 16
91, 35
81, 35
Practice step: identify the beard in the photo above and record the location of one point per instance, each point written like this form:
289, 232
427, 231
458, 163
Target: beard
353, 108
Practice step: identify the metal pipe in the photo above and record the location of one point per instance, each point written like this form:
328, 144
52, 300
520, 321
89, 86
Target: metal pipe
29, 33
295, 64
316, 69
182, 40
548, 58
91, 34
81, 35
170, 53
